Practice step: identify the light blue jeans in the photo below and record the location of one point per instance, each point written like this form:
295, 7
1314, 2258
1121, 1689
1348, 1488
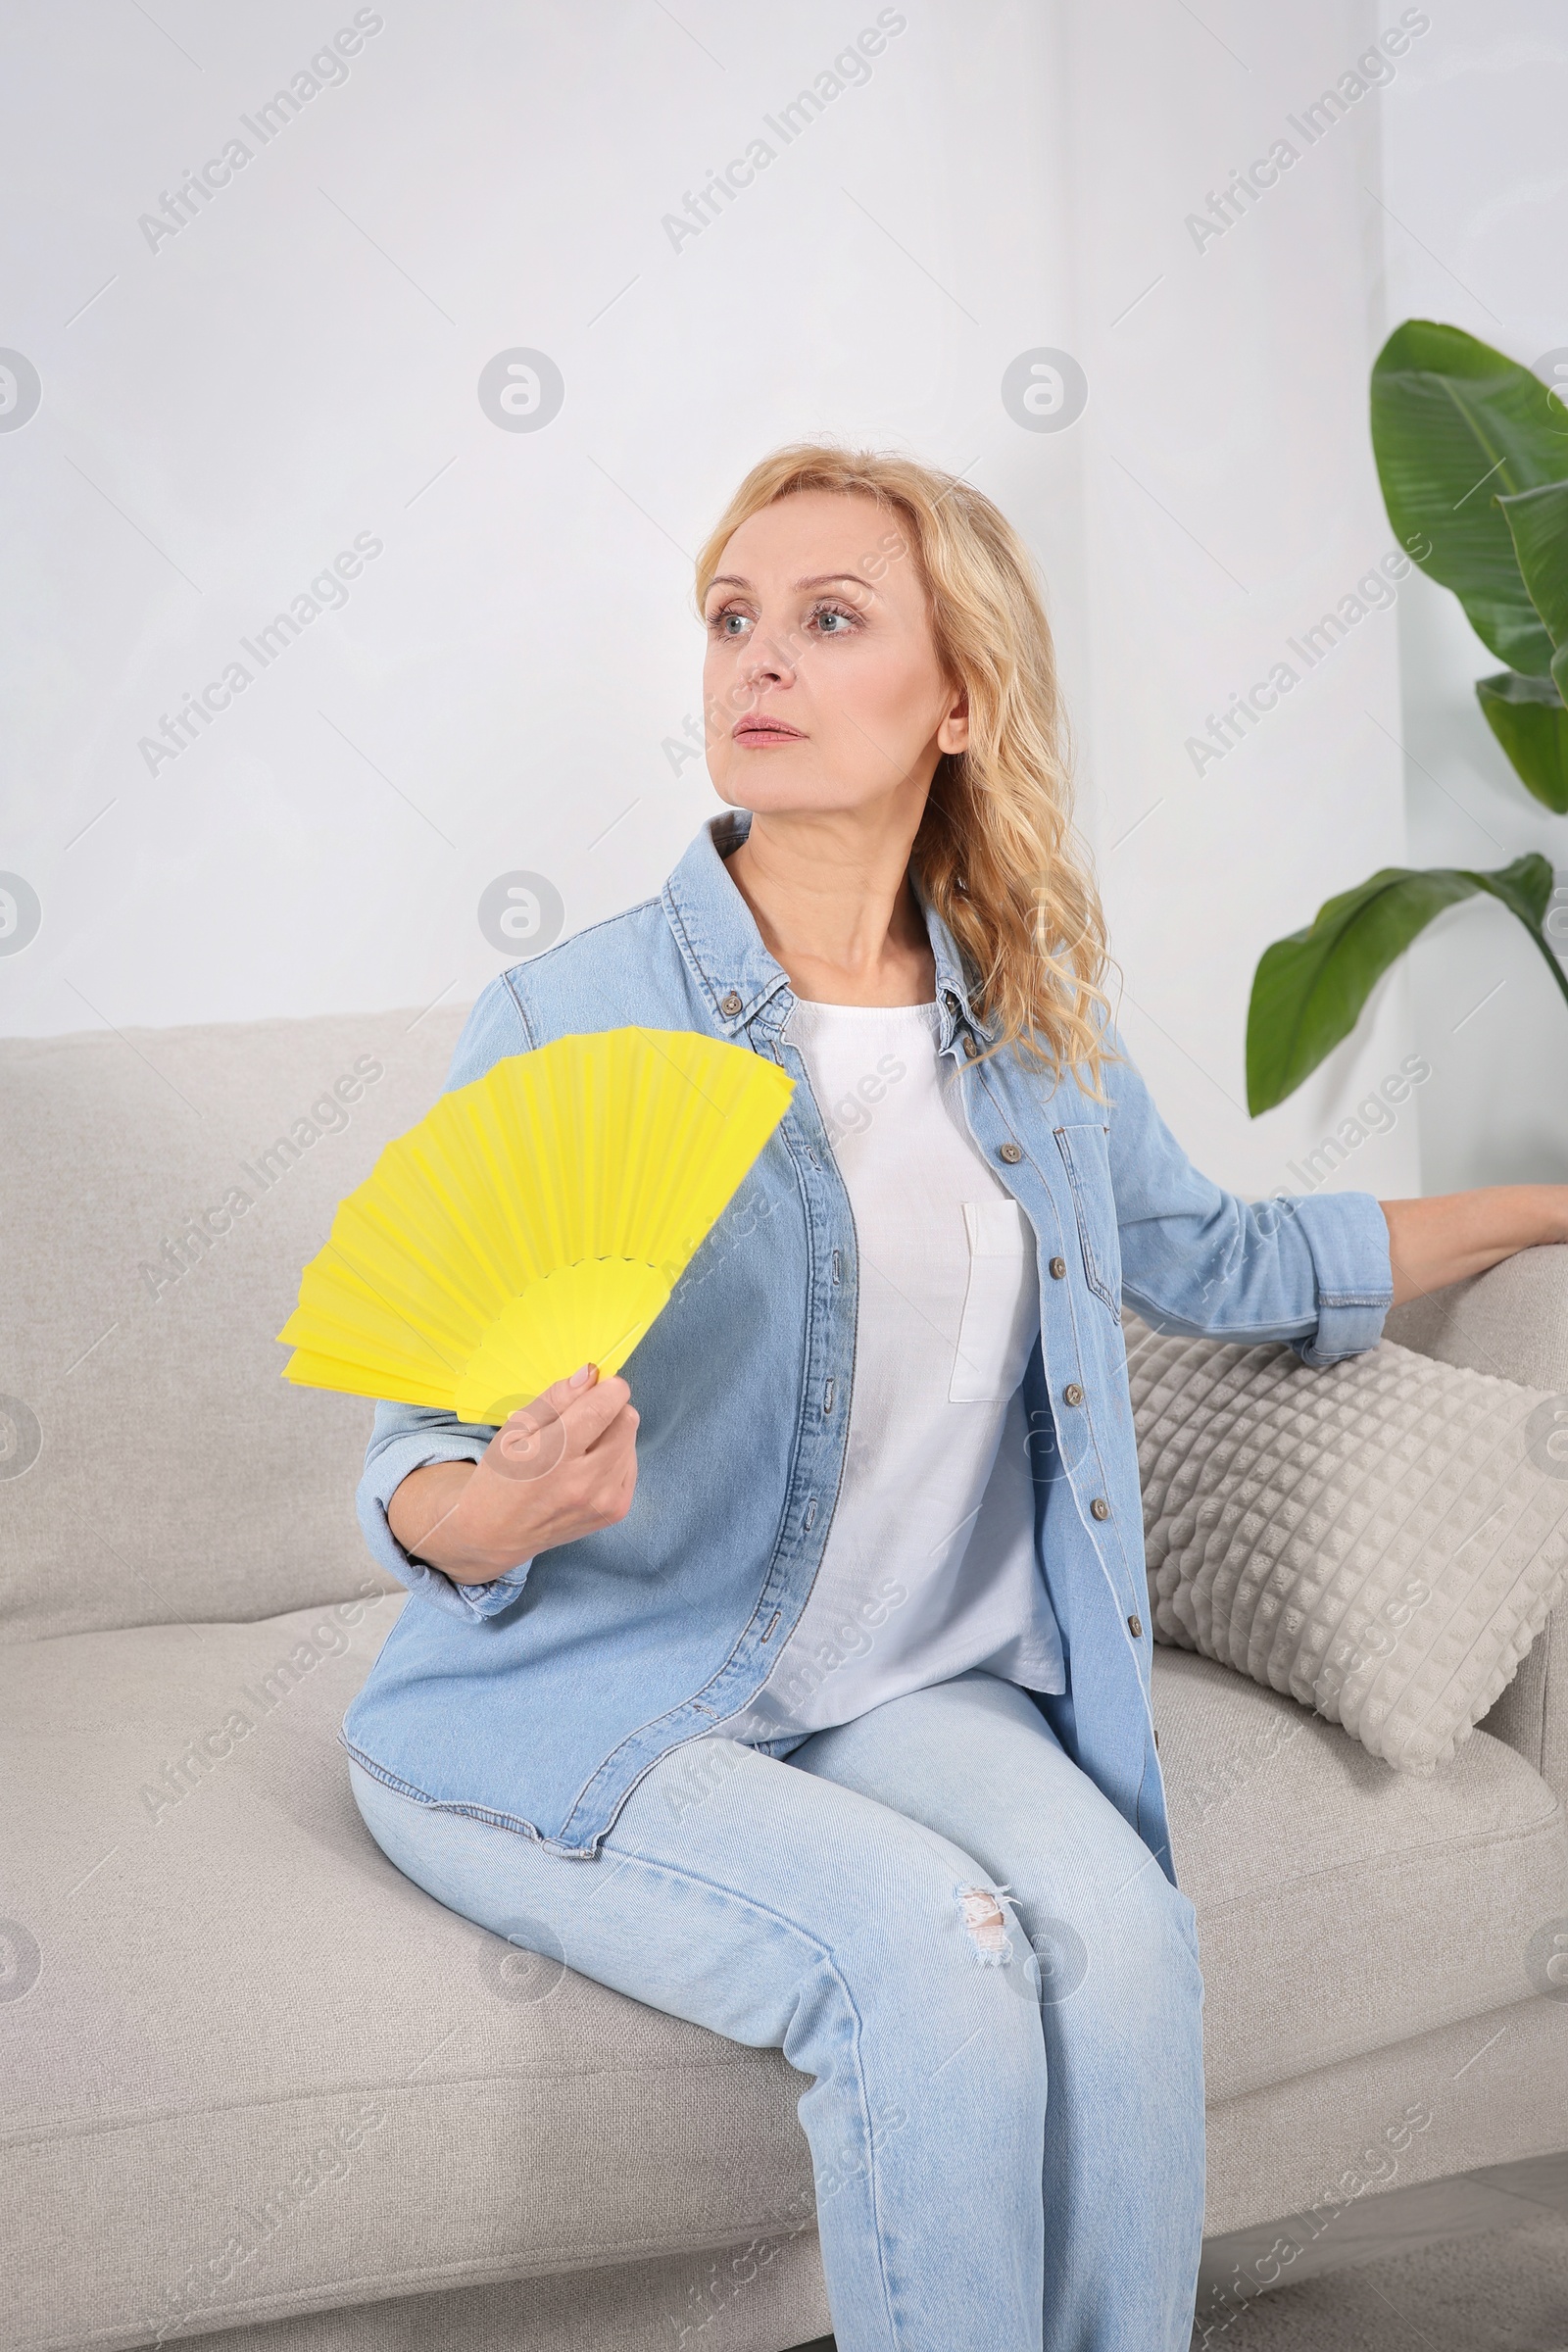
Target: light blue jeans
939, 1917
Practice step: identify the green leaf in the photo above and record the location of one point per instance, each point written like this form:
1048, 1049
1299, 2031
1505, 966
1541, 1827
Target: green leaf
1525, 889
1538, 523
1454, 424
1528, 719
1310, 990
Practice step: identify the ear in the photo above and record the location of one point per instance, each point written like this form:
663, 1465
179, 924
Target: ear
952, 735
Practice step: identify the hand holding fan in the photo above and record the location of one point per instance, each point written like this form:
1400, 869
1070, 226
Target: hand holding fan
532, 1221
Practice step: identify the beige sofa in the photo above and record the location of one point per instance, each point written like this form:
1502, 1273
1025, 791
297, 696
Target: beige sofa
260, 2091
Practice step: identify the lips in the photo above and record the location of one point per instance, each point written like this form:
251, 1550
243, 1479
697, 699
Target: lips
757, 727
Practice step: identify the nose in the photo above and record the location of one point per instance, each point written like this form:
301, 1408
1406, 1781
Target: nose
766, 662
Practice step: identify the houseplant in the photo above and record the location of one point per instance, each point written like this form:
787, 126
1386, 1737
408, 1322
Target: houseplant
1472, 454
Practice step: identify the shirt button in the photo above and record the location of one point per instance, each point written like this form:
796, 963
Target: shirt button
1011, 1152
1058, 1267
731, 1004
970, 1048
1135, 1626
1072, 1394
1099, 1508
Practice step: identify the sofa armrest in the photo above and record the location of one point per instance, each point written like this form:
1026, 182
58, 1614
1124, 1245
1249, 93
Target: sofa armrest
1532, 1715
1513, 1322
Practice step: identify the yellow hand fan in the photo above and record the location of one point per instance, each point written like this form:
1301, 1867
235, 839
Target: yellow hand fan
532, 1221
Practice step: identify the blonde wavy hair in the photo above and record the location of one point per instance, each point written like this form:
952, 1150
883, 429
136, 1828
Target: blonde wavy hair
996, 854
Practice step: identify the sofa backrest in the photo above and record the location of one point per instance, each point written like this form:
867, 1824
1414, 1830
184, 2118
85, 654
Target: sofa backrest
160, 1192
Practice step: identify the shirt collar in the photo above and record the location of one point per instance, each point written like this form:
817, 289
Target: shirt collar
741, 981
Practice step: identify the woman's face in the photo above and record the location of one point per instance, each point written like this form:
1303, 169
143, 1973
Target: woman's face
821, 684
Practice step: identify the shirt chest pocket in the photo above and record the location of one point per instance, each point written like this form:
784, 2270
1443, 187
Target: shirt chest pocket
1086, 1156
1001, 1304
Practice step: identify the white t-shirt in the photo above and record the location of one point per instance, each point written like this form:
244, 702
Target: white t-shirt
929, 1568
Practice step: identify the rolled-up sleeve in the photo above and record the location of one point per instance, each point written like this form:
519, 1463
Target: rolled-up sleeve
406, 1437
1348, 1234
1310, 1269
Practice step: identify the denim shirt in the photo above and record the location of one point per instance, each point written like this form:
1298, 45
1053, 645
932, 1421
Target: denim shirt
538, 1700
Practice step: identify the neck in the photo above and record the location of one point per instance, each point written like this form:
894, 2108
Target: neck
829, 891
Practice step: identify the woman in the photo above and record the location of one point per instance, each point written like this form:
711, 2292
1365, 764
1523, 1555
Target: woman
808, 1699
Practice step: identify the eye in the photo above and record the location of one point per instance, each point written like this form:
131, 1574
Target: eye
718, 623
846, 622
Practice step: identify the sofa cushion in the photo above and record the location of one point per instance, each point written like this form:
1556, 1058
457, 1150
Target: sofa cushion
160, 1192
1383, 1539
251, 2069
1341, 1906
279, 2077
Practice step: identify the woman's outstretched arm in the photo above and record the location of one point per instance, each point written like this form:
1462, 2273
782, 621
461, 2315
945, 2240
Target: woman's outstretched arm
1433, 1243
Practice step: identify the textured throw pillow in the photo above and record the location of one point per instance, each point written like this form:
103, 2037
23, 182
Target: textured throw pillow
1383, 1539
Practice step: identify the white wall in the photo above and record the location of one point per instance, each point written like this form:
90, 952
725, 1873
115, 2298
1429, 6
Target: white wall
299, 365
497, 692
1476, 178
1231, 501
